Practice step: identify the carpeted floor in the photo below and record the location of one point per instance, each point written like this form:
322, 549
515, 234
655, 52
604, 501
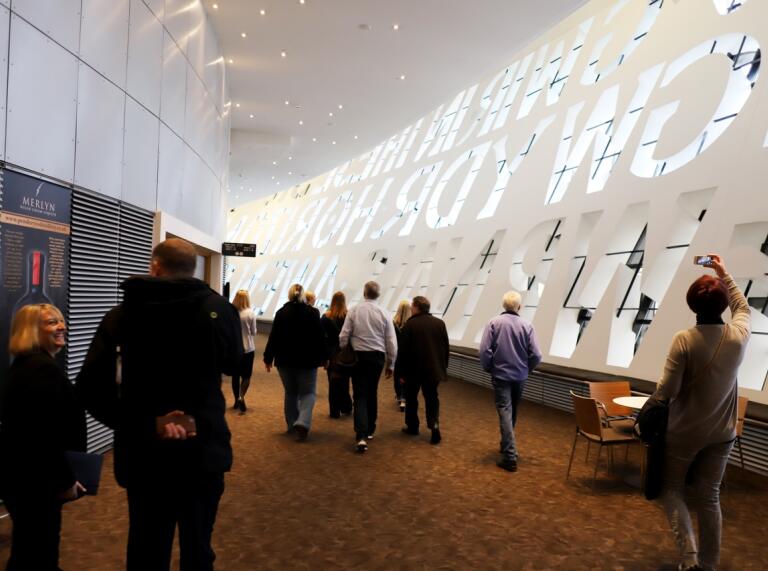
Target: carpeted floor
409, 505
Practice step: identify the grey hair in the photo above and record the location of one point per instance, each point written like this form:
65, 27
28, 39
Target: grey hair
296, 293
371, 290
512, 301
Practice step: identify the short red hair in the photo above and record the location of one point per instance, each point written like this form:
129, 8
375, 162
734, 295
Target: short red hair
707, 296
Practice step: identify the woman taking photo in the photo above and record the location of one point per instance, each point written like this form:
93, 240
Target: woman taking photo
241, 380
339, 401
699, 383
402, 315
40, 422
297, 347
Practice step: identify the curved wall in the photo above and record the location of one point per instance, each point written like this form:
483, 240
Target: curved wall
123, 97
586, 174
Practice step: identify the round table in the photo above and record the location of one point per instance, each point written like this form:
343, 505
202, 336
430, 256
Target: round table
635, 403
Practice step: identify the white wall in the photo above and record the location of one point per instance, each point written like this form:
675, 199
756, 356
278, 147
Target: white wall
629, 115
123, 97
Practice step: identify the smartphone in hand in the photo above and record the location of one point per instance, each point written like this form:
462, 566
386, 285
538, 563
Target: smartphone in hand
702, 260
186, 421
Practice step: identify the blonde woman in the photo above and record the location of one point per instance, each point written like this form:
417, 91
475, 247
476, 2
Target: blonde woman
402, 315
41, 420
339, 401
241, 379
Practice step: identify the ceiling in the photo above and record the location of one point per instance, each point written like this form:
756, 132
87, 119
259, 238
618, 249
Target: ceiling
342, 73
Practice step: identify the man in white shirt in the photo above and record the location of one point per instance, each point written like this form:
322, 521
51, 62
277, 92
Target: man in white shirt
371, 332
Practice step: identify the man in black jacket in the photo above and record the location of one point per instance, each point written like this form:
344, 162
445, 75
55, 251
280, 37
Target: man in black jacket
423, 360
155, 359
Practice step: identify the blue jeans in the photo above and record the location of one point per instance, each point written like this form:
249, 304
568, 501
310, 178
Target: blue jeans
507, 395
300, 395
704, 466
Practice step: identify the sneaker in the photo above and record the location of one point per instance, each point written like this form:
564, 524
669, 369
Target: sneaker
370, 436
401, 404
436, 436
301, 432
508, 465
410, 432
362, 446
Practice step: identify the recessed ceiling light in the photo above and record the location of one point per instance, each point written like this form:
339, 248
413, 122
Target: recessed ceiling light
283, 54
273, 177
290, 158
237, 105
263, 12
231, 60
274, 162
355, 137
402, 77
229, 190
287, 102
242, 187
290, 172
302, 2
396, 27
314, 139
301, 122
250, 190
330, 114
237, 196
251, 115
341, 106
215, 6
333, 142
243, 35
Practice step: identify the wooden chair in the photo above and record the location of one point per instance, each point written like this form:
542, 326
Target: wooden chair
741, 415
590, 426
615, 415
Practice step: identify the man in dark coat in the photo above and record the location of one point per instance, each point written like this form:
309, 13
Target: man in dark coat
155, 359
423, 360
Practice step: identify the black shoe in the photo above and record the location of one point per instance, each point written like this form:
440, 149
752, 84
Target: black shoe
236, 406
410, 431
436, 436
362, 446
508, 465
243, 408
301, 432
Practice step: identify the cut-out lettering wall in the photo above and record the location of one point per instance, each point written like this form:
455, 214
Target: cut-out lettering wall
586, 174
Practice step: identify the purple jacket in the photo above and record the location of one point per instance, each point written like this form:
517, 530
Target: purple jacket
508, 349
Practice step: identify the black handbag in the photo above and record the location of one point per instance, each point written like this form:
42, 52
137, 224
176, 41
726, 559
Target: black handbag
346, 358
651, 428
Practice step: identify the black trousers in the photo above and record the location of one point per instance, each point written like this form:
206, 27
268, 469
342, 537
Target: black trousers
154, 510
339, 400
365, 386
244, 371
36, 529
431, 402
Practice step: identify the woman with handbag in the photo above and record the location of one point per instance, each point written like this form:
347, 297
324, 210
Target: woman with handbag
699, 384
41, 422
241, 379
339, 401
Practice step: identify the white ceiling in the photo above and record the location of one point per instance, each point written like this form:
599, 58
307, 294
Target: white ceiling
442, 46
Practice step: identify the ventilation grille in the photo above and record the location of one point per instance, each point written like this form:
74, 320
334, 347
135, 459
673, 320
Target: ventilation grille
110, 241
554, 390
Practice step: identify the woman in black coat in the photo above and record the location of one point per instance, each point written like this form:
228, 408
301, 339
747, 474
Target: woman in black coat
41, 420
339, 400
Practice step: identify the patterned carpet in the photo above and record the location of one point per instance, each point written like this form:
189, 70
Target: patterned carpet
409, 505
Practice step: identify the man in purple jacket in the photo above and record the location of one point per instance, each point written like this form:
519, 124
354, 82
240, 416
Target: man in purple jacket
508, 351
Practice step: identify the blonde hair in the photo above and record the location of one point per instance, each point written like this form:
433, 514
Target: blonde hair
25, 327
296, 293
242, 300
338, 309
310, 297
512, 301
403, 313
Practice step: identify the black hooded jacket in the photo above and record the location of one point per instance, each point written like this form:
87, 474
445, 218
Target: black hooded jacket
175, 337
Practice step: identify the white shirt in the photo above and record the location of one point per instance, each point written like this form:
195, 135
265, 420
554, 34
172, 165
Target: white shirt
368, 327
248, 324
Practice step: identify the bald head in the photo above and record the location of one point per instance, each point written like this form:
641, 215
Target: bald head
175, 258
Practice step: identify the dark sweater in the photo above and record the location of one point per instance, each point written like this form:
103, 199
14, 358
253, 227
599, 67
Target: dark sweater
424, 348
41, 420
297, 338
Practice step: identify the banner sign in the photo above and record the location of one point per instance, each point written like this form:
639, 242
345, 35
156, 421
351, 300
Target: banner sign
237, 249
34, 249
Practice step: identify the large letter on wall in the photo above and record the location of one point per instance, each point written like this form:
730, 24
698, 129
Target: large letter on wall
743, 55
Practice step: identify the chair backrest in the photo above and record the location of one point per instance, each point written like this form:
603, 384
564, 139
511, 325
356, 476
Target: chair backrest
741, 415
587, 415
606, 392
